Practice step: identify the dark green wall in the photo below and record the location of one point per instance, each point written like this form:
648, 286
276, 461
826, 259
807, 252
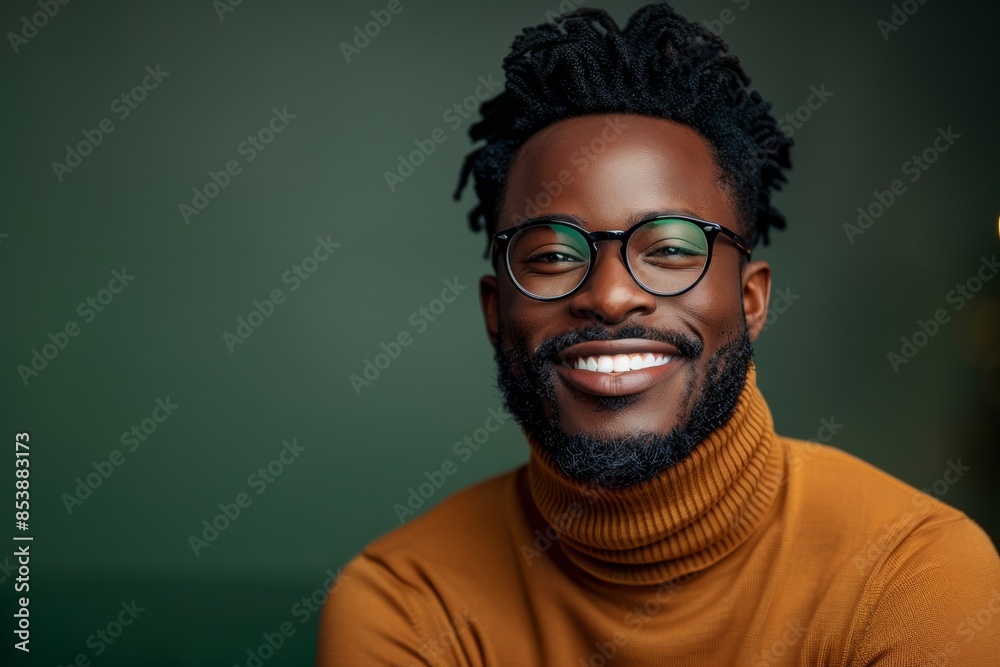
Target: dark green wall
323, 177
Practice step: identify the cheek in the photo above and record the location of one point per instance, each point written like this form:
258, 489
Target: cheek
716, 304
525, 317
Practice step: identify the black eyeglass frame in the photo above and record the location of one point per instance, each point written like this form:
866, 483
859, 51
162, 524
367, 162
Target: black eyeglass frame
501, 244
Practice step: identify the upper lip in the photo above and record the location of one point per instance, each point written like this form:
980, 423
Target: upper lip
597, 348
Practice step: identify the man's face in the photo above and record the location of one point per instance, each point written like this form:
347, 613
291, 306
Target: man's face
608, 172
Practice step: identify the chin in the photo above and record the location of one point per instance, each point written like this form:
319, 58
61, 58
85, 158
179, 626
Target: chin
617, 421
620, 439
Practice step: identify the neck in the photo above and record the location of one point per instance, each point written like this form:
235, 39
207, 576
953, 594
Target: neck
681, 521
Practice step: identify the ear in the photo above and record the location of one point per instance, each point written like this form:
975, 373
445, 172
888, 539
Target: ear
756, 295
489, 298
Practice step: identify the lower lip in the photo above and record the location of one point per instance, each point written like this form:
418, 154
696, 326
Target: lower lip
615, 384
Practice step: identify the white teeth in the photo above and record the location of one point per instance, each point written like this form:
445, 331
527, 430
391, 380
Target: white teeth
620, 363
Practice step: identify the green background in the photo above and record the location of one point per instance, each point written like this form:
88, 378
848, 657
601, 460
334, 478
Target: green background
323, 176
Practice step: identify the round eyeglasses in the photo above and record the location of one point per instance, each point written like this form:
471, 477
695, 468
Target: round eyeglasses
666, 255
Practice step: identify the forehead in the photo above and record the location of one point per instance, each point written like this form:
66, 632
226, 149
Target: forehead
606, 169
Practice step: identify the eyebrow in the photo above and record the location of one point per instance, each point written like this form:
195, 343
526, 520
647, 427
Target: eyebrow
632, 220
659, 213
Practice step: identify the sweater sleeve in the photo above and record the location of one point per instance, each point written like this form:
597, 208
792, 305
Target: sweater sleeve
933, 599
376, 618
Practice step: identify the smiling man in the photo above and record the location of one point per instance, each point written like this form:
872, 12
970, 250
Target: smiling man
660, 520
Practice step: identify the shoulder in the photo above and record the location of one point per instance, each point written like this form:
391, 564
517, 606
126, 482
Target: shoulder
834, 491
925, 571
827, 475
408, 593
472, 519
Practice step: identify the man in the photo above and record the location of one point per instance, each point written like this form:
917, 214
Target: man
660, 520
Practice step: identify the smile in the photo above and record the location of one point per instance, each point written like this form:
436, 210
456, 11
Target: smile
616, 367
620, 363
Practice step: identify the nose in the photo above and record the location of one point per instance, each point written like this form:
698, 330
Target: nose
610, 294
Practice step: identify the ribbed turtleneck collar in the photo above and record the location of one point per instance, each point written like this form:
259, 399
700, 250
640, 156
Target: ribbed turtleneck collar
683, 520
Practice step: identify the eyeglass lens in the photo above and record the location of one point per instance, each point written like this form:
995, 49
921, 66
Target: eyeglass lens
666, 256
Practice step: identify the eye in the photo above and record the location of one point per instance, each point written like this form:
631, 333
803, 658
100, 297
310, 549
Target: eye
553, 257
676, 248
671, 250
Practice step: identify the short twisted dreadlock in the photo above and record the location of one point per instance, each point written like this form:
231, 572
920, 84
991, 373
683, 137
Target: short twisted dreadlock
659, 65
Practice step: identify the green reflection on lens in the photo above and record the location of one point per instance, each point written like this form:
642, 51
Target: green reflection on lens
668, 255
549, 260
551, 243
669, 242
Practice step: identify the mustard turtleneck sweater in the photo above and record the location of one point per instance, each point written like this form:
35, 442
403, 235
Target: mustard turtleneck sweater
755, 550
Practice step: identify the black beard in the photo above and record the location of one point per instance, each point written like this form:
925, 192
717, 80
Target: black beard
618, 462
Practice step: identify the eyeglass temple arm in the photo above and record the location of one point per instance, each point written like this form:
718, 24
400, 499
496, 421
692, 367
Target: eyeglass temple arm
740, 242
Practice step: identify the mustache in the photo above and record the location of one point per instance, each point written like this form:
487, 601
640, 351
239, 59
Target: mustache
550, 349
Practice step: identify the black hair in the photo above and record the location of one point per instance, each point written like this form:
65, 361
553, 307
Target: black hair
659, 65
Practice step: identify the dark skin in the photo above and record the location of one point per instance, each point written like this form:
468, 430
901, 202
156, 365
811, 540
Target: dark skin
653, 165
